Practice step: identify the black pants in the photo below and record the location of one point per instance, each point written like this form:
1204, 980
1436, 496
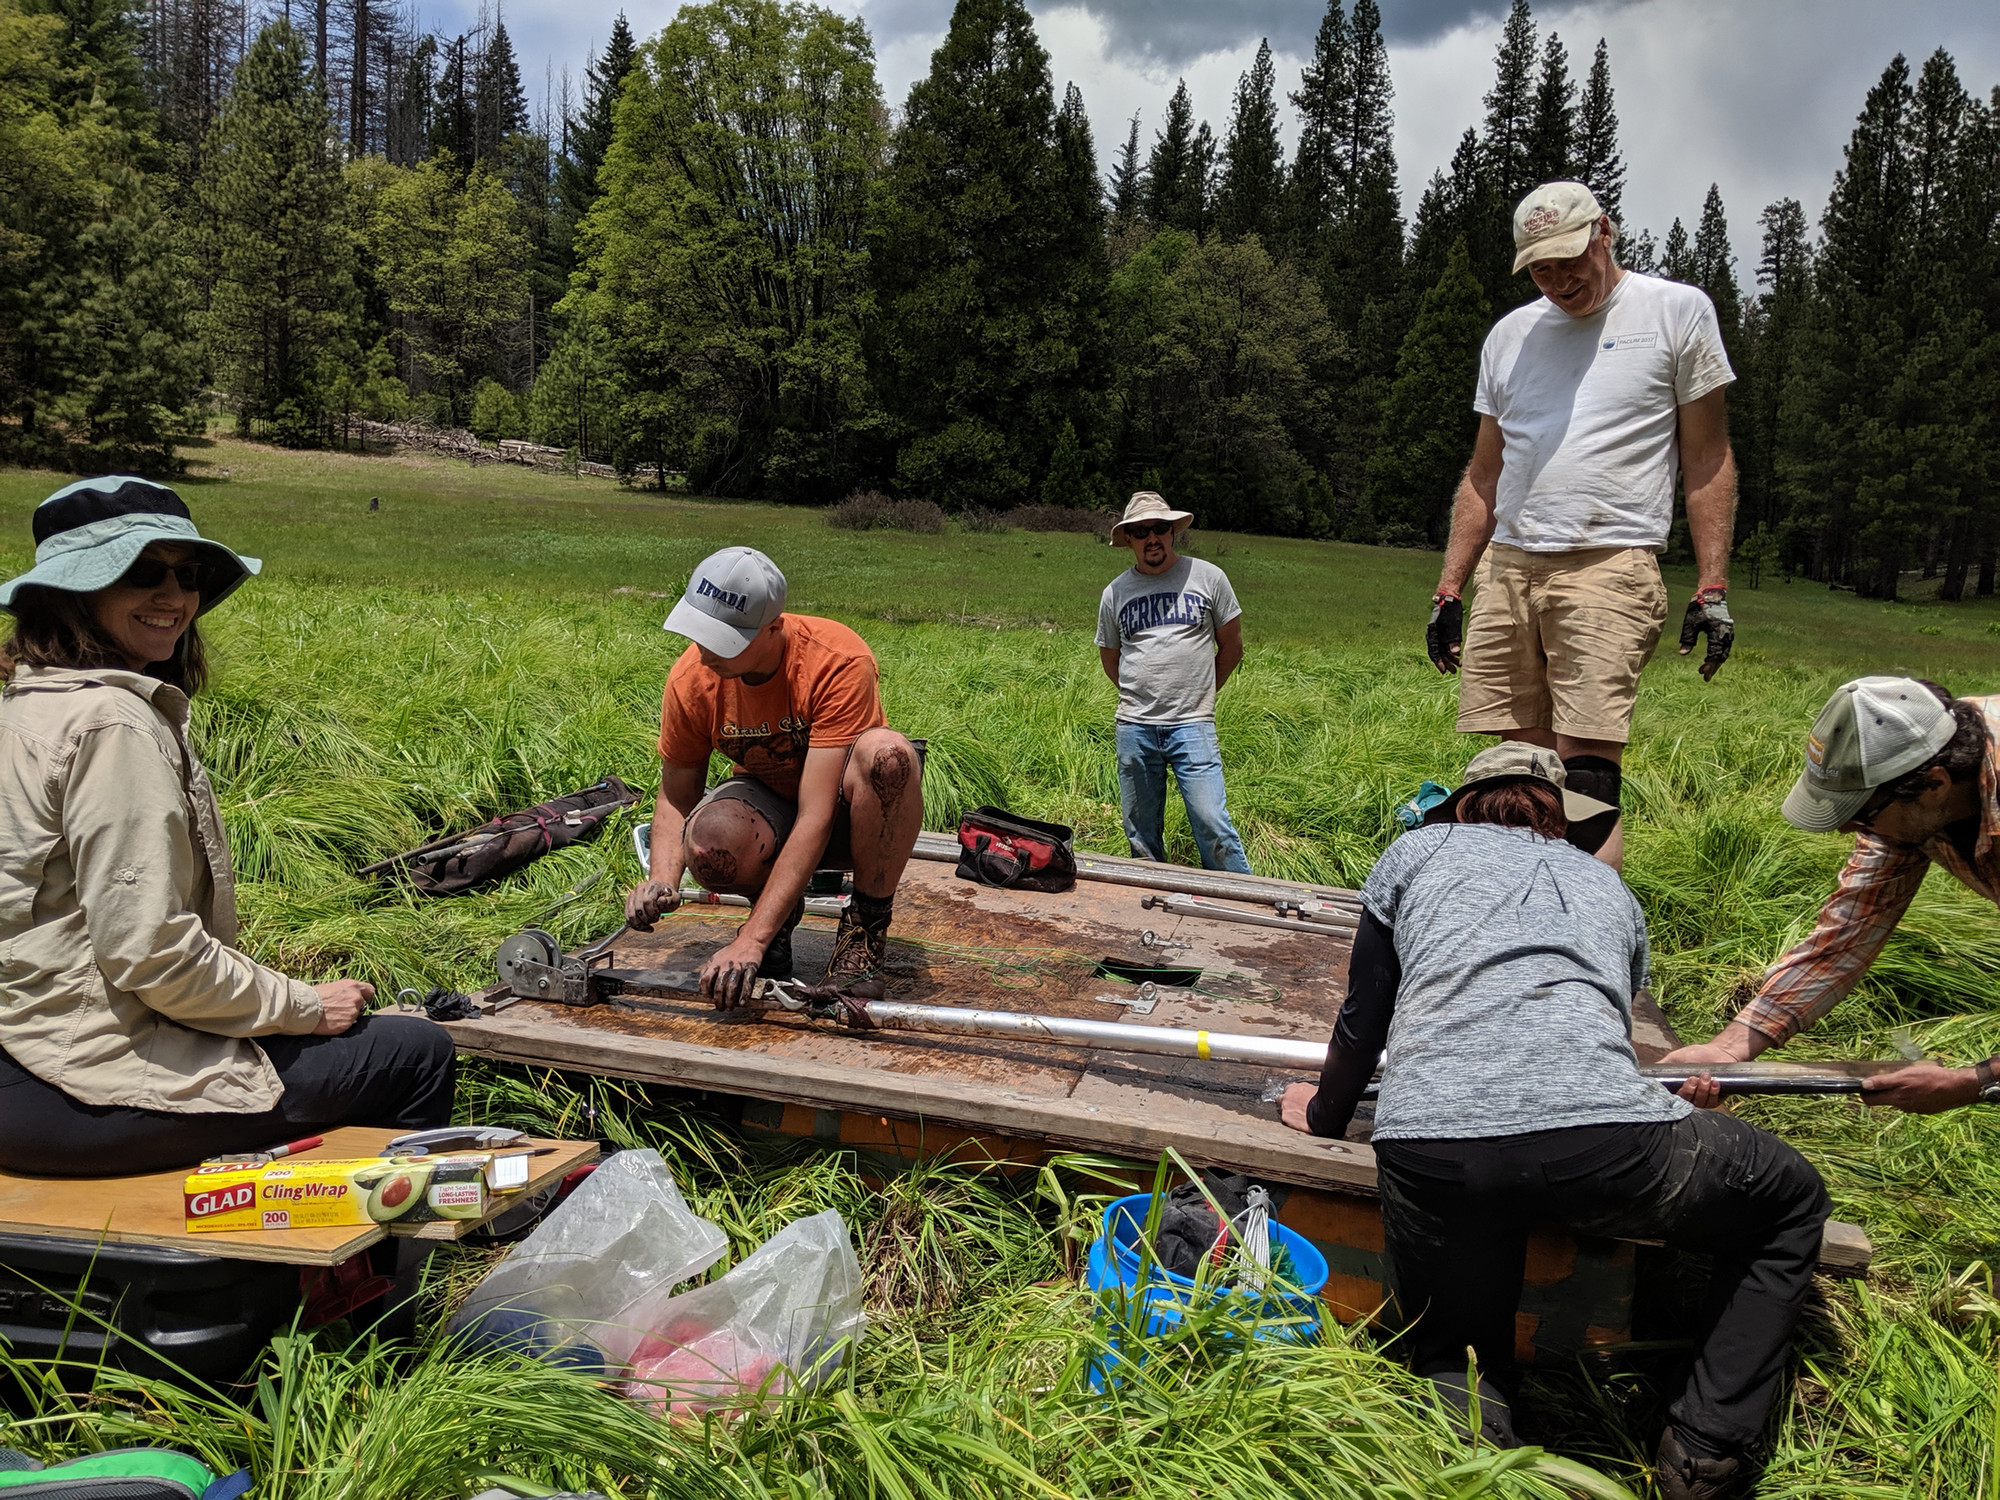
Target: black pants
394, 1071
1456, 1216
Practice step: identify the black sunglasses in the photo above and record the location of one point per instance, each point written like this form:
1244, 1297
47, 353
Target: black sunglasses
1157, 528
147, 573
1872, 809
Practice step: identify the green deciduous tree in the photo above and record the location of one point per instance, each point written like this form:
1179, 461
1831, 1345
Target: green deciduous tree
992, 292
1427, 419
449, 254
1219, 353
728, 253
282, 307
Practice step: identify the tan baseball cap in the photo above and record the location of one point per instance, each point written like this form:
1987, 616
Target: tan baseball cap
1554, 223
1517, 760
1871, 731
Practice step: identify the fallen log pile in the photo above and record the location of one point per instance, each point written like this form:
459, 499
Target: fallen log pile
456, 442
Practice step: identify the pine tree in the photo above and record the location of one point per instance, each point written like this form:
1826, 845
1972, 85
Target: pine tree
1676, 259
1065, 483
588, 137
408, 132
1640, 252
1772, 327
1452, 207
1128, 182
1325, 105
1510, 110
283, 303
1552, 137
97, 368
1712, 267
1176, 173
1253, 159
500, 107
454, 108
1428, 423
1596, 160
982, 357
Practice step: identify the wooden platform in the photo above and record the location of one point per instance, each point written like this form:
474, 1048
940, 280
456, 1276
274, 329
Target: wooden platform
148, 1210
896, 1097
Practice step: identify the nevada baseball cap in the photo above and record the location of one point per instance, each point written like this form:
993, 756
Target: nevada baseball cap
1554, 222
731, 596
1871, 731
1517, 760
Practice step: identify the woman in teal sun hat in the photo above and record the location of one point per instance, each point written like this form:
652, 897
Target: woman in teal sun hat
134, 1035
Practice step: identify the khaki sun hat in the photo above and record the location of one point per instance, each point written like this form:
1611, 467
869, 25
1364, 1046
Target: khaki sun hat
1554, 223
1148, 506
1871, 731
1516, 760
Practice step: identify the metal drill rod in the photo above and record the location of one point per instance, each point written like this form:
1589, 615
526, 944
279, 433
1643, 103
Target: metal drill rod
1330, 924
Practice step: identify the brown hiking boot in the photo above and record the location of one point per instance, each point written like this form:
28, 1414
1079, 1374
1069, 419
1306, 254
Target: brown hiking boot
1684, 1476
861, 947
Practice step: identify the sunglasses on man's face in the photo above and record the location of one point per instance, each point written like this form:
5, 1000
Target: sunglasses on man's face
1157, 528
148, 572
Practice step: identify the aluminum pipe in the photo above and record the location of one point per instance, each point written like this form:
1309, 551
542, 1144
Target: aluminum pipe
1331, 924
1113, 1036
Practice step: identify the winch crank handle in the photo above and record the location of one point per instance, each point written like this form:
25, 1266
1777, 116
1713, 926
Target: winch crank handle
602, 946
1147, 903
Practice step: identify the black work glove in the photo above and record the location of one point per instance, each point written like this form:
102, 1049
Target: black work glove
1445, 634
1708, 612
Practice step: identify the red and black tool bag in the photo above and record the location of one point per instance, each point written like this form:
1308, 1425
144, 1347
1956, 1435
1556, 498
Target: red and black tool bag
507, 843
1001, 849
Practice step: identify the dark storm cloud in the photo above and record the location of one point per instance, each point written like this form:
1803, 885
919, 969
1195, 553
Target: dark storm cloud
1172, 33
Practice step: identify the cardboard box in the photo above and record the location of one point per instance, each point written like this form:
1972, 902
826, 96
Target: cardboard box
308, 1194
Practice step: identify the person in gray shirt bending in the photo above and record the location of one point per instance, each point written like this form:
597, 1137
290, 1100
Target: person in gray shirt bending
1169, 632
1498, 962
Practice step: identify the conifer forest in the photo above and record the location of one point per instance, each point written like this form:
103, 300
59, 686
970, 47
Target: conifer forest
722, 259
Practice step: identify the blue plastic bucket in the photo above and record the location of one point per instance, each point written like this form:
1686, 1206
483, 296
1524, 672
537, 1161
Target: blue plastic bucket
1112, 1271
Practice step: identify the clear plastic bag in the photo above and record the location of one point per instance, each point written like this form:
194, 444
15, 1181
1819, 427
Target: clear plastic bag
787, 1316
625, 1238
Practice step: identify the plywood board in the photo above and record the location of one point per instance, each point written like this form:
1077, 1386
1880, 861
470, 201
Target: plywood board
148, 1209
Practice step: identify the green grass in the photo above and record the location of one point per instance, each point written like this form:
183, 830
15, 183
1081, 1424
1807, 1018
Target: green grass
491, 636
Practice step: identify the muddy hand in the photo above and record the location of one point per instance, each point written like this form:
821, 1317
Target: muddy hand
649, 900
729, 975
1702, 1091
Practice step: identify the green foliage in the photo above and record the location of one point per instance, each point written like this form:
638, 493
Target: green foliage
1065, 483
726, 254
576, 396
1178, 189
282, 307
589, 135
449, 252
991, 265
1249, 199
1427, 421
1219, 352
495, 412
97, 364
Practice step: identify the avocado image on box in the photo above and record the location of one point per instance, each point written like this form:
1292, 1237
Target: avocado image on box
307, 1194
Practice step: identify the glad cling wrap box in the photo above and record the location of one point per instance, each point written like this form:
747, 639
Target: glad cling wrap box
371, 1190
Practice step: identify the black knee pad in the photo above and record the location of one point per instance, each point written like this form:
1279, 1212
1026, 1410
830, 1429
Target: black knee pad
1594, 776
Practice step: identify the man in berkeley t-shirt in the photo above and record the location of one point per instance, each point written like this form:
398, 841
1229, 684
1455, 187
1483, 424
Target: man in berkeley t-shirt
1590, 399
1169, 632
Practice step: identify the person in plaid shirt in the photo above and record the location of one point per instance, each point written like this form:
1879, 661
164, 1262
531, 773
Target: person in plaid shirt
1914, 775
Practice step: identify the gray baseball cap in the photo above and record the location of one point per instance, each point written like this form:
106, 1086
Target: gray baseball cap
731, 596
88, 533
1871, 731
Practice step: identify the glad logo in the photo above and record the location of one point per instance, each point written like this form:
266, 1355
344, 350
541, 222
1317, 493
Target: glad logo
1541, 220
221, 1200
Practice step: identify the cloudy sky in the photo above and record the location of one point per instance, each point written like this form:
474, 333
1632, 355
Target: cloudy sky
1756, 95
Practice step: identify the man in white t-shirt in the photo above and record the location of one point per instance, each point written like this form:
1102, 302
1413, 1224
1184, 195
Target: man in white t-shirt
1590, 401
1169, 632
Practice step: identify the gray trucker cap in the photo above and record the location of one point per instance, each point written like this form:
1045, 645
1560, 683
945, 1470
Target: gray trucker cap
1871, 731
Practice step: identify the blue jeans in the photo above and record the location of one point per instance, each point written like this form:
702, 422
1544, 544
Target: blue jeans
1145, 751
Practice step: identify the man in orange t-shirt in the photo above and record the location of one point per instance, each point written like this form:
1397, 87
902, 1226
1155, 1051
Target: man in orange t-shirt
820, 778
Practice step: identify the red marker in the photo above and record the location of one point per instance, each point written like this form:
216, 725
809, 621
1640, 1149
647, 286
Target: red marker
296, 1146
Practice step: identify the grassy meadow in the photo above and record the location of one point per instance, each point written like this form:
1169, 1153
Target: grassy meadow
491, 636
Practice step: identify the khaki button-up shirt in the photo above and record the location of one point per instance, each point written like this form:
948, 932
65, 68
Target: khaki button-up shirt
119, 981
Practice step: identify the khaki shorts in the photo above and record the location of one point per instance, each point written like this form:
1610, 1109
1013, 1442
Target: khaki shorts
1557, 640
